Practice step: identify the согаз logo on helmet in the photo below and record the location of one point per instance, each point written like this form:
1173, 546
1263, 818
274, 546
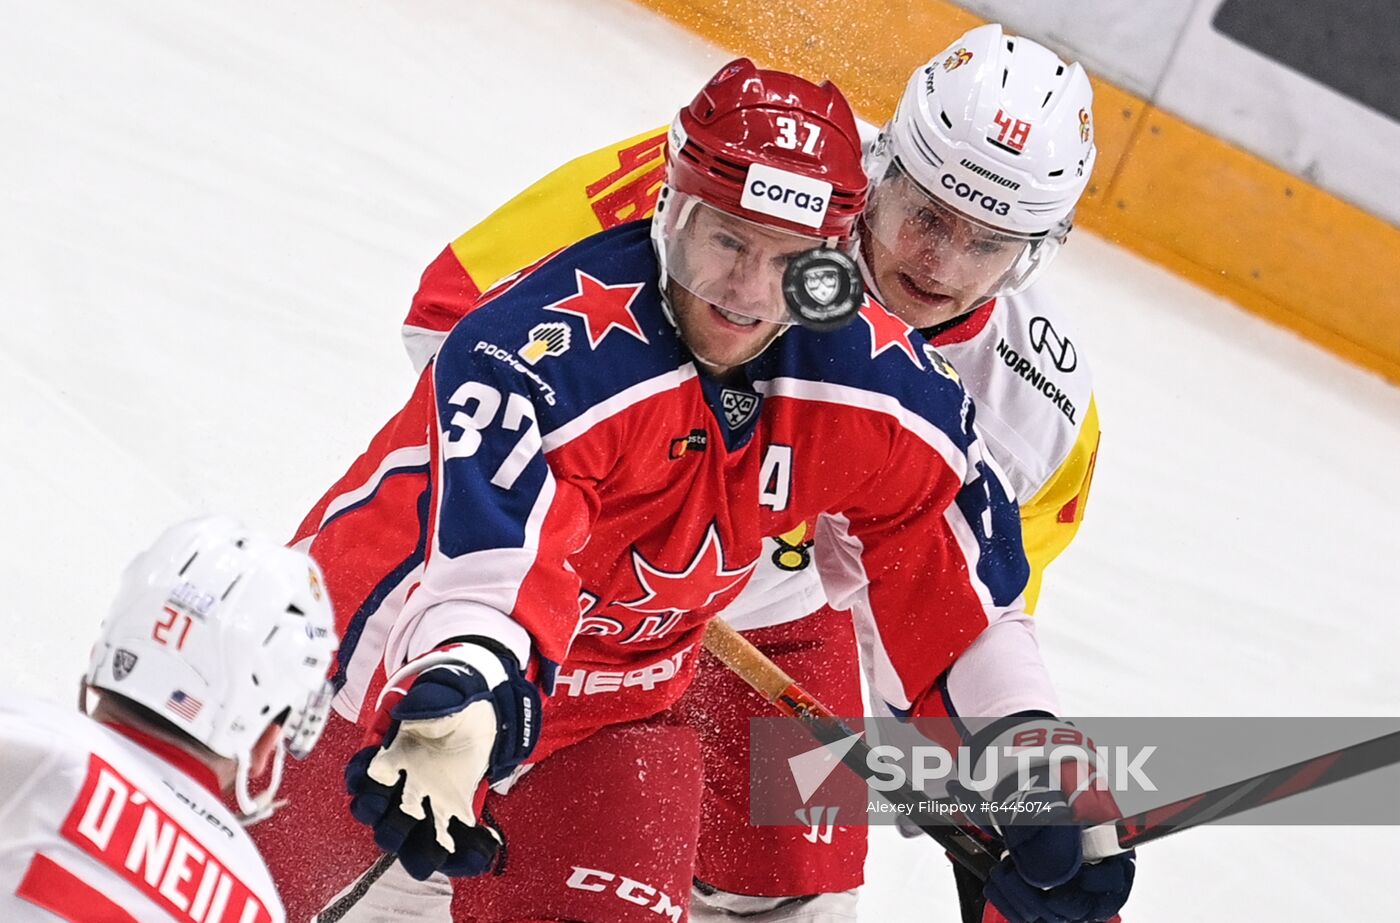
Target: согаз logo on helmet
964, 191
782, 194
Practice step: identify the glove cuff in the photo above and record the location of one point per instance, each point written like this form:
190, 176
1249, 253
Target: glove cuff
1031, 758
489, 664
482, 671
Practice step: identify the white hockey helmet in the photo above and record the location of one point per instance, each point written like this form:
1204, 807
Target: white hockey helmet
995, 130
221, 632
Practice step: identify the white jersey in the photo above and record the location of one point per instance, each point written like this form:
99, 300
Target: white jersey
98, 823
1031, 386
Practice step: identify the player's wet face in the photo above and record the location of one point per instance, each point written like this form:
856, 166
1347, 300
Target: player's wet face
720, 343
931, 264
727, 286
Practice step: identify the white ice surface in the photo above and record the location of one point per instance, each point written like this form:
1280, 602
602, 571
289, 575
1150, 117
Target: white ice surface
212, 216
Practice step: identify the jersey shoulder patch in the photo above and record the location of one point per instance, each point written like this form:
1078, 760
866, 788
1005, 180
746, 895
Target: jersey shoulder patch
879, 363
1028, 374
579, 328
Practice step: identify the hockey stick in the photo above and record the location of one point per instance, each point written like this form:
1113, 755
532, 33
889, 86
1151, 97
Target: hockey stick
769, 680
966, 844
1257, 791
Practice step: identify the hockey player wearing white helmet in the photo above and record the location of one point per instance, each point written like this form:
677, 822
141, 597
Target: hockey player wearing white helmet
974, 184
977, 175
212, 663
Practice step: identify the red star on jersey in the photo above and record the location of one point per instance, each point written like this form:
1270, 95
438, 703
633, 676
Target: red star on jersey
887, 331
693, 587
602, 307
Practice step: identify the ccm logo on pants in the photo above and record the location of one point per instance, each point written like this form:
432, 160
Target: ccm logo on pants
629, 890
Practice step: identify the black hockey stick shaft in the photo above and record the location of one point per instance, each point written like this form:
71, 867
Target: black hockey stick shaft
1256, 791
968, 845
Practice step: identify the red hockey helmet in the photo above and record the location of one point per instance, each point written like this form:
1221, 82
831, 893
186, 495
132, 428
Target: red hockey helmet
773, 148
762, 167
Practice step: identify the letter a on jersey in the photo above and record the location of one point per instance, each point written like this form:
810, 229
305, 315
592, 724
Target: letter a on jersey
602, 307
693, 587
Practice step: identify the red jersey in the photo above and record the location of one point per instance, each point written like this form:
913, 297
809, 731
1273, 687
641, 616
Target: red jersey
565, 481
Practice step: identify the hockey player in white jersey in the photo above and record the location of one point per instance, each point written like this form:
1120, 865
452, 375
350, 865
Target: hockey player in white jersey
211, 664
974, 186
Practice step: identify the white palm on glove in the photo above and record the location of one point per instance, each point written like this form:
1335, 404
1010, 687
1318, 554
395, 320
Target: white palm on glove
442, 762
448, 723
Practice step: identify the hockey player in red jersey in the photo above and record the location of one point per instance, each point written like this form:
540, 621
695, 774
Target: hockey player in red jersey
955, 265
212, 663
953, 252
526, 522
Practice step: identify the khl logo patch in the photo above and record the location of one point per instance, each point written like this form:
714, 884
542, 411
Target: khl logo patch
738, 407
123, 661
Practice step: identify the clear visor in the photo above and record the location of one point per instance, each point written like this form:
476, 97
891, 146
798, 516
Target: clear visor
306, 724
735, 264
942, 251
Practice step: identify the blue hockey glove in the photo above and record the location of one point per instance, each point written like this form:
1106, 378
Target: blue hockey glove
1063, 864
448, 724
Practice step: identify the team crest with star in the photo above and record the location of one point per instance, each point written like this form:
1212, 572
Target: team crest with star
693, 587
887, 332
603, 308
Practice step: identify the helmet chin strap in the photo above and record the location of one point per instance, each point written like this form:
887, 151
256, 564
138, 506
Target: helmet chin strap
863, 261
658, 242
253, 808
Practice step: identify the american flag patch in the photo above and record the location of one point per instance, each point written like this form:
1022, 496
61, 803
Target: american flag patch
186, 706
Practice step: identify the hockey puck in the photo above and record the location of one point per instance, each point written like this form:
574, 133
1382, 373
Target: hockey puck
823, 289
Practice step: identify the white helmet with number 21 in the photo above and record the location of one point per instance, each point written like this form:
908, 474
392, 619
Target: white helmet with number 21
221, 632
